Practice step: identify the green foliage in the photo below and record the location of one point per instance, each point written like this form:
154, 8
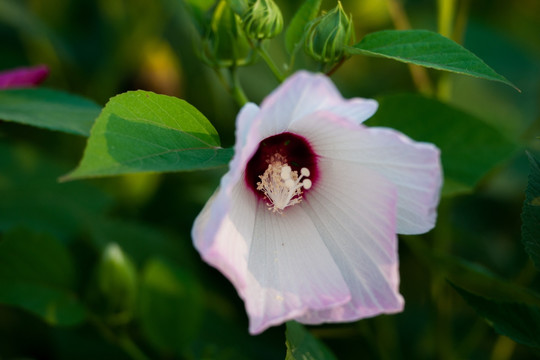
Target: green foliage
425, 48
226, 44
518, 321
145, 132
530, 230
301, 345
36, 274
295, 32
469, 147
50, 109
170, 306
117, 284
32, 197
52, 234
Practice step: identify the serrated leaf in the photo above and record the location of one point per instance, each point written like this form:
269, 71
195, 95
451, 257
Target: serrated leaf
50, 109
301, 345
469, 147
519, 322
425, 48
140, 131
295, 31
530, 216
36, 274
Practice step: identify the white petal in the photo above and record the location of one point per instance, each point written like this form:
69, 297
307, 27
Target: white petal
247, 142
222, 233
293, 272
412, 166
354, 210
304, 93
356, 110
213, 226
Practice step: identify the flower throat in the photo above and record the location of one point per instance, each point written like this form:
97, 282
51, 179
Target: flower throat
282, 169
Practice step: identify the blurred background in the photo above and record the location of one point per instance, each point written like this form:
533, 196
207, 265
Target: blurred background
184, 308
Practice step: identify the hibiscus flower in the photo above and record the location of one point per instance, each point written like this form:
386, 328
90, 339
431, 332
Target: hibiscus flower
304, 223
23, 77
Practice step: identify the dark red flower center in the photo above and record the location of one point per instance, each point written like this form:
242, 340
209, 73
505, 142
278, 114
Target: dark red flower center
283, 168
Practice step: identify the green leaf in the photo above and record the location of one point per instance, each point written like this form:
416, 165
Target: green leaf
470, 148
50, 109
30, 257
519, 322
36, 274
425, 48
54, 306
32, 197
295, 32
140, 131
530, 216
470, 275
170, 306
301, 345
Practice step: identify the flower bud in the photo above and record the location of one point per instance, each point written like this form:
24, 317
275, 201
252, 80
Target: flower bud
117, 284
263, 20
328, 35
226, 44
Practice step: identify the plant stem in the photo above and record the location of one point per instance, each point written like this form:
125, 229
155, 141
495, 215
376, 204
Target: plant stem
401, 22
268, 60
446, 10
123, 340
503, 349
237, 91
131, 348
336, 67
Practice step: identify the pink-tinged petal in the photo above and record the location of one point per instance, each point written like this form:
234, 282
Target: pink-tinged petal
23, 77
293, 271
213, 224
355, 110
304, 93
354, 210
222, 233
413, 167
278, 264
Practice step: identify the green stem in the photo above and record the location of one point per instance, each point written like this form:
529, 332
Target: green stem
123, 341
336, 67
131, 348
446, 16
446, 10
268, 60
401, 21
236, 90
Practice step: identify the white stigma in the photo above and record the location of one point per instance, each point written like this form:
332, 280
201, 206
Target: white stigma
281, 185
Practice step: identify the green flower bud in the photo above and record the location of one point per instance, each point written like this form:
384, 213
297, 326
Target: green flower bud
263, 20
328, 35
226, 44
117, 285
